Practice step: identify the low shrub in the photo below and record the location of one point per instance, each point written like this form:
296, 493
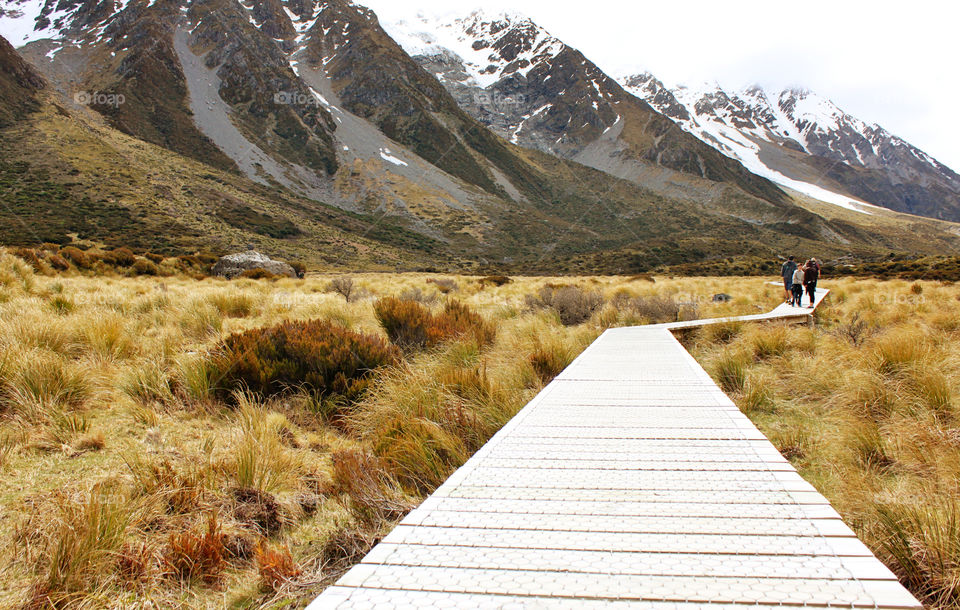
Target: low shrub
76, 256
257, 273
572, 305
444, 285
495, 280
346, 546
342, 286
410, 325
415, 294
154, 258
275, 566
372, 495
299, 268
145, 267
196, 555
655, 309
58, 262
120, 257
316, 355
135, 562
31, 257
549, 361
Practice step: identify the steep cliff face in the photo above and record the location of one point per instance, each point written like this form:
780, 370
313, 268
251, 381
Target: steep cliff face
19, 85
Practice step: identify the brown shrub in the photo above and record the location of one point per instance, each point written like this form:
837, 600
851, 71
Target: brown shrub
258, 273
495, 280
191, 555
346, 547
373, 495
145, 267
258, 509
120, 257
276, 566
154, 258
410, 325
135, 563
549, 362
78, 257
572, 305
31, 257
316, 355
299, 268
58, 262
655, 309
342, 286
415, 294
444, 285
239, 545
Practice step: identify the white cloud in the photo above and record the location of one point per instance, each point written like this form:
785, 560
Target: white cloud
885, 62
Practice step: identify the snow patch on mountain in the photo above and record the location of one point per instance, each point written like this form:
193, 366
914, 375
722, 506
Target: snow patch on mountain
739, 124
480, 41
19, 21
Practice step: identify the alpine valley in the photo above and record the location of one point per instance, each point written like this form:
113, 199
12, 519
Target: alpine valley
310, 130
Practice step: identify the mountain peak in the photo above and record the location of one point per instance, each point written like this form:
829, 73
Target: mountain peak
490, 45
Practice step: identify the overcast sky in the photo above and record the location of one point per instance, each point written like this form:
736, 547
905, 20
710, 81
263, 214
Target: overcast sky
889, 63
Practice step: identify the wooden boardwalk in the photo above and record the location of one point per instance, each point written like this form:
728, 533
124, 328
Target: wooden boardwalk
630, 480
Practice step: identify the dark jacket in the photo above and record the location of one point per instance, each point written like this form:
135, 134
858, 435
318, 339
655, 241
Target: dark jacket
786, 271
810, 274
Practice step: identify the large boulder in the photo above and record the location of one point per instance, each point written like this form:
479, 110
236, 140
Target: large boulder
232, 265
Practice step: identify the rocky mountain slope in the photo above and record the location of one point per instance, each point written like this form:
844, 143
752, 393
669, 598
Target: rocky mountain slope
804, 141
537, 91
302, 123
19, 84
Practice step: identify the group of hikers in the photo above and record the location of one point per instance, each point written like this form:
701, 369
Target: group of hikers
797, 277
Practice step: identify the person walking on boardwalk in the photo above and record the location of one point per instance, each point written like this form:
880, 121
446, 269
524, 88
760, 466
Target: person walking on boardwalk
786, 273
811, 273
797, 288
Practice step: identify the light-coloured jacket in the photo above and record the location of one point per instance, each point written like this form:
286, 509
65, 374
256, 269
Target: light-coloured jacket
798, 276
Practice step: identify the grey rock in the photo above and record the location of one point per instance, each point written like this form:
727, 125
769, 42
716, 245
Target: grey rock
232, 265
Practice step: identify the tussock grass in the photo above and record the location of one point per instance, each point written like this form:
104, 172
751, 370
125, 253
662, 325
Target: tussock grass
278, 471
44, 385
864, 405
72, 549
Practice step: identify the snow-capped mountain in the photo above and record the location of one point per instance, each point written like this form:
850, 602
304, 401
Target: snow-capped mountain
311, 105
312, 100
806, 142
538, 92
530, 87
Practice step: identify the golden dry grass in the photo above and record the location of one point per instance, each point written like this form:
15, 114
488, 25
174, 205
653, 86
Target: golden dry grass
865, 405
108, 412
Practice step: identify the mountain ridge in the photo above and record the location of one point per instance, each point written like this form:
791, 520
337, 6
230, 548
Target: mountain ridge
318, 124
844, 161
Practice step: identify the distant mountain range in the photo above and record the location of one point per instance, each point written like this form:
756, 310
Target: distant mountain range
534, 89
307, 129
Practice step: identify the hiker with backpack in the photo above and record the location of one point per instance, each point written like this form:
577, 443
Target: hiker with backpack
811, 273
786, 273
